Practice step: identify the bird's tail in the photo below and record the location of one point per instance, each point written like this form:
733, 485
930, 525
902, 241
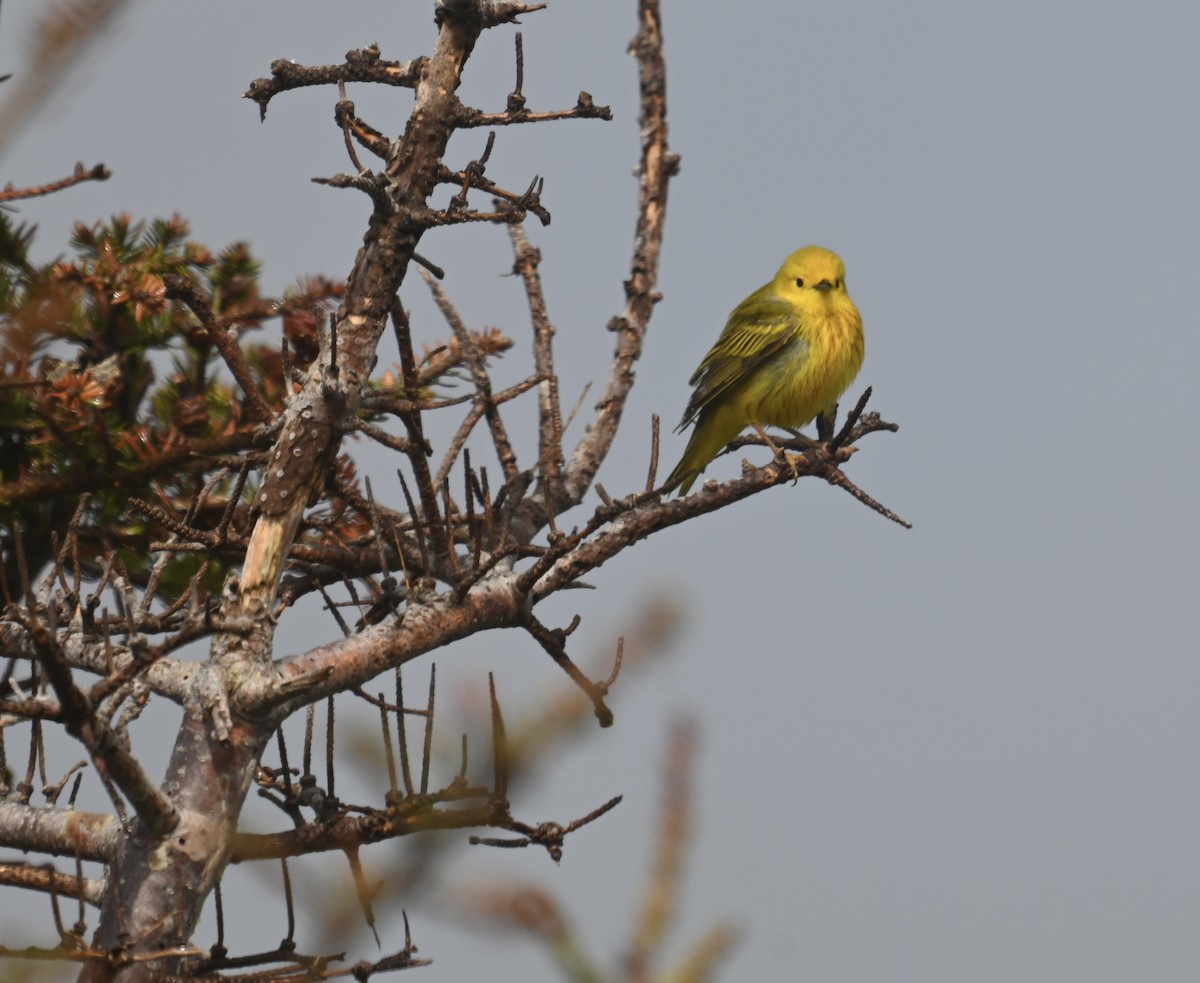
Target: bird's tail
705, 444
683, 468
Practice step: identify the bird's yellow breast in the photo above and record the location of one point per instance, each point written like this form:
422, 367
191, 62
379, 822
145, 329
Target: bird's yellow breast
810, 373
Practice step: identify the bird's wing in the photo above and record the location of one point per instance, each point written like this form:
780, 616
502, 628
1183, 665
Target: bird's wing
757, 330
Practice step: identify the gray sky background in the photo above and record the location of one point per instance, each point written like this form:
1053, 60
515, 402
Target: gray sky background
968, 751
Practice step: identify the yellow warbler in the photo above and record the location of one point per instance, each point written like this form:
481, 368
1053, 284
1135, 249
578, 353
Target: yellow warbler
787, 353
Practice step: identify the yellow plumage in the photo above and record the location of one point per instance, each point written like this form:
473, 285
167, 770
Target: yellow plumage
787, 353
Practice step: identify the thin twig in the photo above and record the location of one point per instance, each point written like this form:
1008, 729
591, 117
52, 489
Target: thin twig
483, 383
550, 424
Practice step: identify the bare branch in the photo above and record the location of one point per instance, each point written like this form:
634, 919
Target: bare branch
110, 756
554, 643
584, 108
631, 520
657, 167
663, 887
181, 288
80, 175
348, 832
550, 835
48, 880
354, 128
483, 383
361, 65
550, 424
58, 832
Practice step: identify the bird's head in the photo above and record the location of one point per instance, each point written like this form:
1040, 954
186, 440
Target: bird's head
813, 275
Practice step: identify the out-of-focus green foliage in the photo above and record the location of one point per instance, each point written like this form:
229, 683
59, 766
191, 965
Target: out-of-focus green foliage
113, 386
109, 387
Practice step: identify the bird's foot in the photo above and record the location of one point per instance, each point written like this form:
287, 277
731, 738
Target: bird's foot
782, 455
794, 462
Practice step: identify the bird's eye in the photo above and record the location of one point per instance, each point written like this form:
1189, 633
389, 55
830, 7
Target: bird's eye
799, 282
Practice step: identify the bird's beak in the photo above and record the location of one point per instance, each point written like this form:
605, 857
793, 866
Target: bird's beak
824, 285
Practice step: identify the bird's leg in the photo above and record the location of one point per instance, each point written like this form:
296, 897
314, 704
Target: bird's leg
825, 424
802, 437
766, 438
776, 450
